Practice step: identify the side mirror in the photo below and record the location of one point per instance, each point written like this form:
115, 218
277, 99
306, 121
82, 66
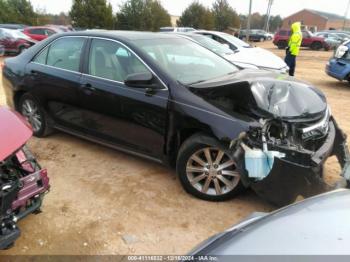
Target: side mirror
139, 80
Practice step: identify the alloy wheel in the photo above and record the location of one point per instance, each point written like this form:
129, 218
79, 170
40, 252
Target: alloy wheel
211, 171
31, 112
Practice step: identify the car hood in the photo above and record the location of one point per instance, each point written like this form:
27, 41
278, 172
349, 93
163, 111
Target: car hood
258, 57
299, 229
14, 132
268, 94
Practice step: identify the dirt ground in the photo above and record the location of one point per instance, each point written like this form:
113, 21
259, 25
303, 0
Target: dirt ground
106, 202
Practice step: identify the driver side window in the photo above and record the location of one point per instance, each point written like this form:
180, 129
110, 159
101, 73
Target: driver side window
112, 61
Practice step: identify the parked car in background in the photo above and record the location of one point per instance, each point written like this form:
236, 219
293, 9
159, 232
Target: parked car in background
2, 50
334, 34
255, 35
23, 183
176, 29
13, 26
40, 33
309, 40
62, 28
313, 227
245, 54
339, 65
169, 99
241, 59
14, 41
333, 41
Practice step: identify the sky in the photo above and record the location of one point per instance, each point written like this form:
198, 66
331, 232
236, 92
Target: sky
175, 7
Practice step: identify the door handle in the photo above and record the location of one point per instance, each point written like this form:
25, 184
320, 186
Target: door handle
88, 88
34, 73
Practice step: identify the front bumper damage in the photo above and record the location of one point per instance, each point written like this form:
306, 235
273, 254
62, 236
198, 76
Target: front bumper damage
300, 171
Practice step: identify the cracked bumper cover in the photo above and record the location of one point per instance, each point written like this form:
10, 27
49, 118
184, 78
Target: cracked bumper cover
301, 172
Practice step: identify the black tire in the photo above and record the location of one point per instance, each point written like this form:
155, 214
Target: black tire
316, 46
21, 50
282, 44
187, 150
46, 123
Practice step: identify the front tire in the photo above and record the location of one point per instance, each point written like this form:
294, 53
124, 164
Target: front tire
206, 170
31, 109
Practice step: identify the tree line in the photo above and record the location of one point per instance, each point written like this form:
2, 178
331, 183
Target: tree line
147, 15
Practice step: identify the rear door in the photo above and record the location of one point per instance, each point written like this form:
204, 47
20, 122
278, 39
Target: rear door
54, 78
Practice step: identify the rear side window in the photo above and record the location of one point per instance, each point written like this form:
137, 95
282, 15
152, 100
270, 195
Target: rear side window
64, 53
37, 31
111, 60
283, 32
41, 58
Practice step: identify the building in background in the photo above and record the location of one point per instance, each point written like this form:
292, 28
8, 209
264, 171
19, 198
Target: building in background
316, 20
174, 19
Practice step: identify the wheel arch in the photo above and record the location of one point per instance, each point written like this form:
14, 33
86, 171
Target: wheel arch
17, 97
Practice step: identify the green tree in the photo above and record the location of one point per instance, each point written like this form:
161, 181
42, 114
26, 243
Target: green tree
17, 11
224, 15
275, 23
148, 15
196, 16
92, 14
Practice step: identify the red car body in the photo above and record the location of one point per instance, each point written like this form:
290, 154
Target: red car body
309, 40
14, 132
23, 183
39, 33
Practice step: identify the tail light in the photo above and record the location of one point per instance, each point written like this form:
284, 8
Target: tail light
2, 65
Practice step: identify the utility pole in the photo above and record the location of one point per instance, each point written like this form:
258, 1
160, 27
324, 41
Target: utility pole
346, 14
248, 21
268, 14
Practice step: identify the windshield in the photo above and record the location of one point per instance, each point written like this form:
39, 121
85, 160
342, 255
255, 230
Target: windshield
234, 40
186, 61
212, 44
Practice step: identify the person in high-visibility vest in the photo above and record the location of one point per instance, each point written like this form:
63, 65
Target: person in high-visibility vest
294, 44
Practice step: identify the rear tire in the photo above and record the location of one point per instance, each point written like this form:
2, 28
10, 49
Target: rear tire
21, 49
316, 46
35, 114
206, 170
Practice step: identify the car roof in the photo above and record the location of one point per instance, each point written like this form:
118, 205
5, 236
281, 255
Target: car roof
318, 225
126, 35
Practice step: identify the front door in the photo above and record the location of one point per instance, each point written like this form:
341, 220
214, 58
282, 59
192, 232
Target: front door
123, 115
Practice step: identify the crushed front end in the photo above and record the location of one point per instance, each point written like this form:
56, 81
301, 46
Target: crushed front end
23, 183
284, 157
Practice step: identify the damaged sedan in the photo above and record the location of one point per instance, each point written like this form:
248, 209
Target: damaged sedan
23, 183
171, 100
